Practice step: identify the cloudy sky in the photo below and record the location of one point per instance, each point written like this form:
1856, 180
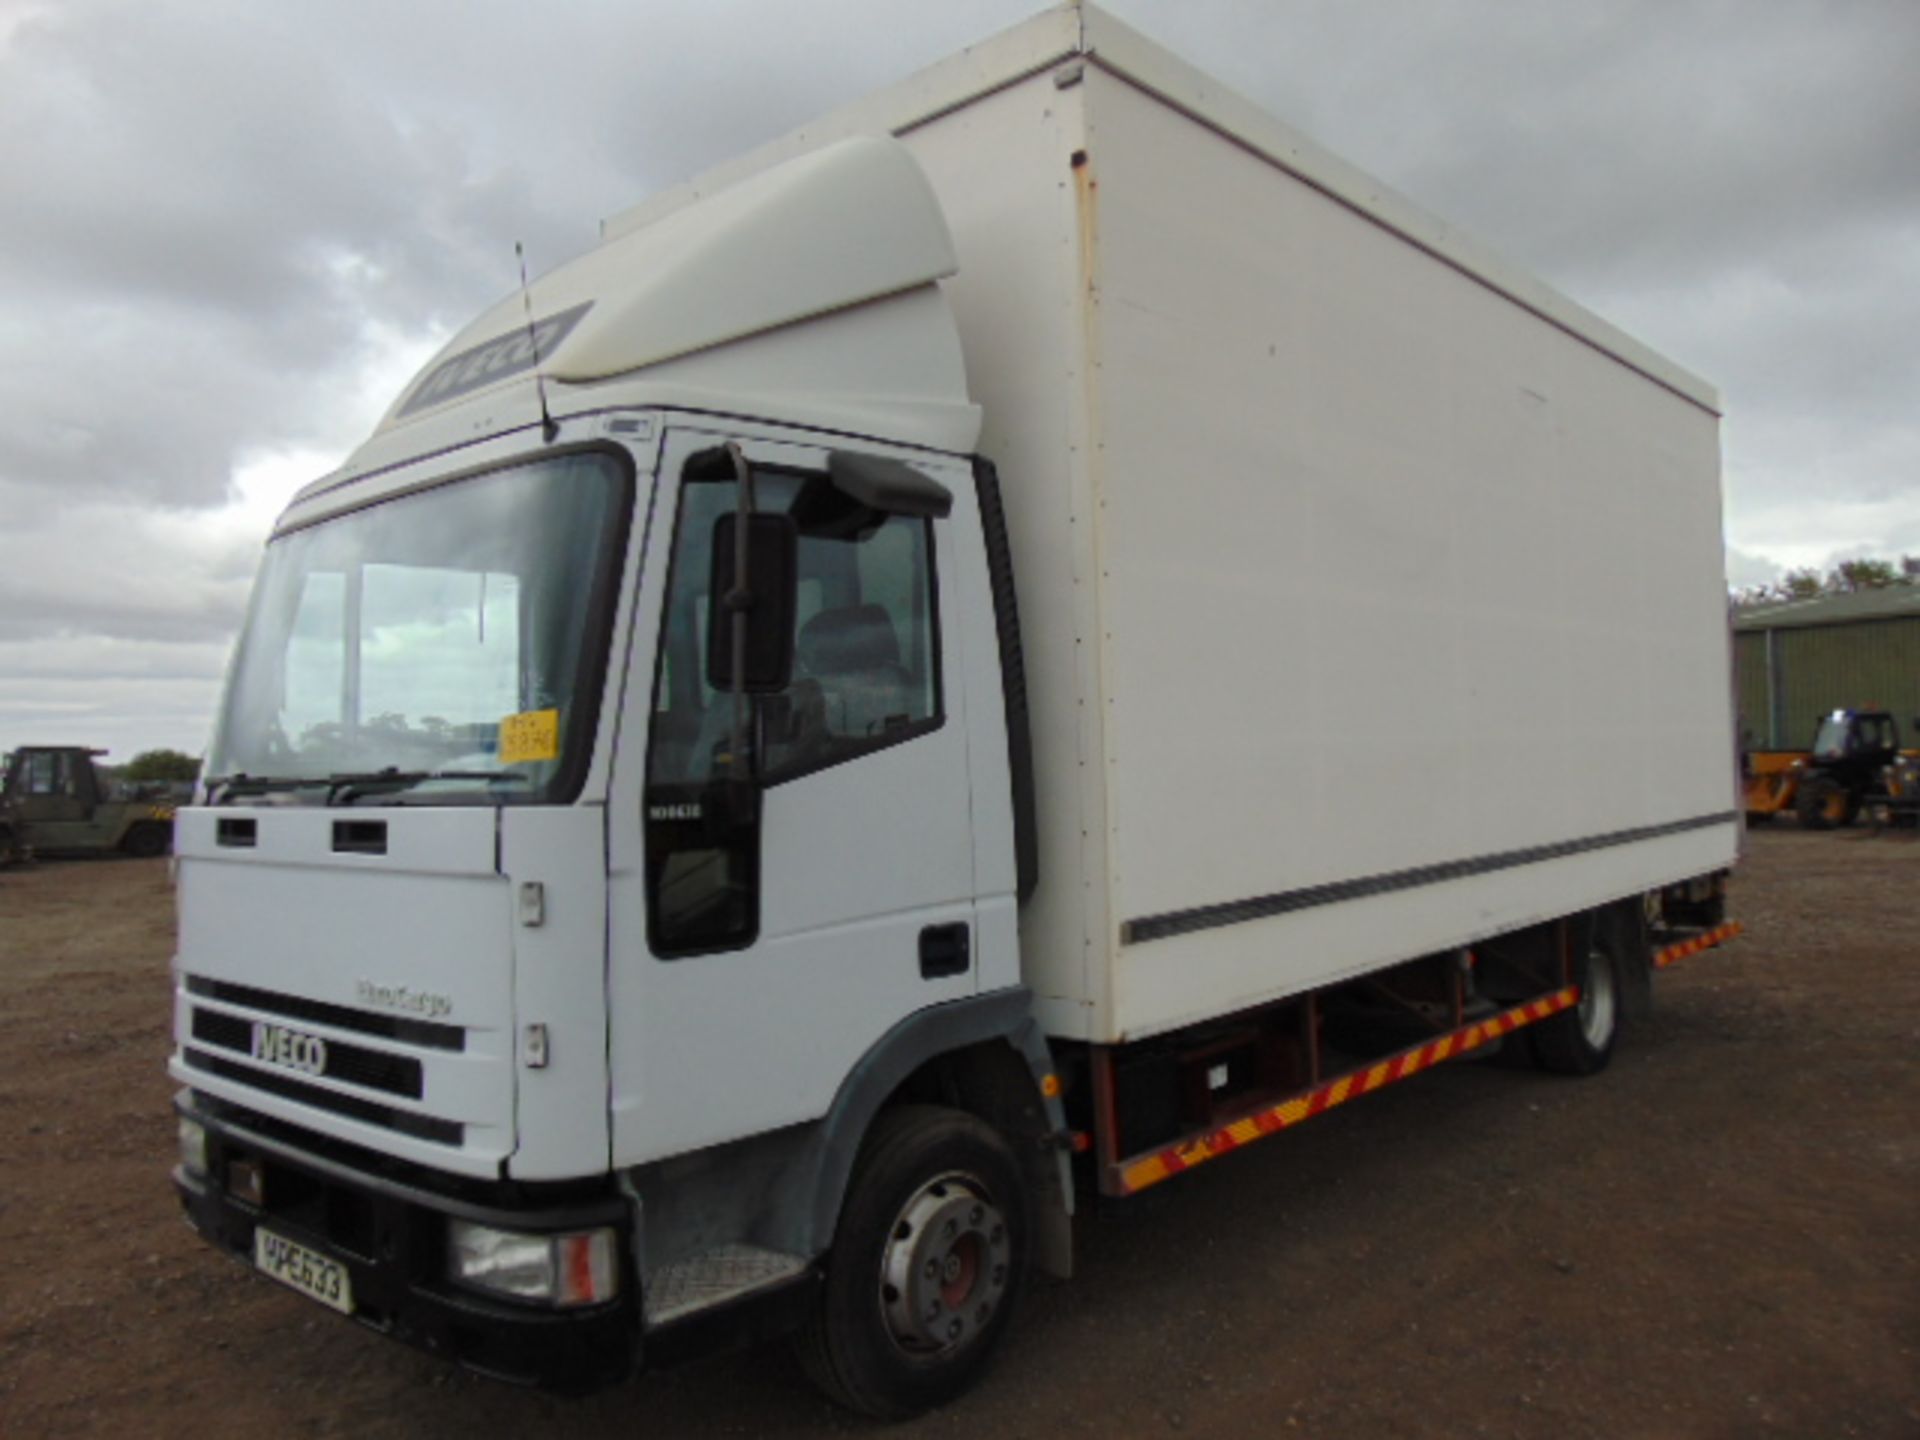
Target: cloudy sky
229, 231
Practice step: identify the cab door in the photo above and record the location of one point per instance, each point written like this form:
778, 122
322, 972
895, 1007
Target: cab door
772, 930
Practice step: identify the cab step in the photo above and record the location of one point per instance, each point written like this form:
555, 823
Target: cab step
716, 1277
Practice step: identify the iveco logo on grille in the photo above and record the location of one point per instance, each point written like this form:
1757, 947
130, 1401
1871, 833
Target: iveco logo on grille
278, 1045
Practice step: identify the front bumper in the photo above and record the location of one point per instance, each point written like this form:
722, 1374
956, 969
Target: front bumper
389, 1230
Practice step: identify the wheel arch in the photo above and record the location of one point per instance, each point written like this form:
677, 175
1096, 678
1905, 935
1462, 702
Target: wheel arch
985, 1056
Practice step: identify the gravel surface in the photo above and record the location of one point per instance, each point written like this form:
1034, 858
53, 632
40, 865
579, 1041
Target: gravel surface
1719, 1236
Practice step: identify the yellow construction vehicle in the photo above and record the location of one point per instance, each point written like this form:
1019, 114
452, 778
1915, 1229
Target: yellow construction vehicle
1825, 786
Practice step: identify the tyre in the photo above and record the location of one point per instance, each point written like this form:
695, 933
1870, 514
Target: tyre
926, 1267
145, 842
1580, 1041
1821, 804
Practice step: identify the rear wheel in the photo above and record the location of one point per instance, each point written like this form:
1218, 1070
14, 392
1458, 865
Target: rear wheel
926, 1267
1580, 1041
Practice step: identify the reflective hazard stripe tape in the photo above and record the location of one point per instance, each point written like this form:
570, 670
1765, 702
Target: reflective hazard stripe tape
1137, 1174
1706, 940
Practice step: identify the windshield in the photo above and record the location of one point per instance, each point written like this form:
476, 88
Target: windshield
1841, 735
446, 644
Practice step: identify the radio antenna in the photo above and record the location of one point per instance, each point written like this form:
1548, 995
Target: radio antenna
547, 428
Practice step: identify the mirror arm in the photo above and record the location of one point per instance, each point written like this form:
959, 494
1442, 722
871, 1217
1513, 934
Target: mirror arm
739, 601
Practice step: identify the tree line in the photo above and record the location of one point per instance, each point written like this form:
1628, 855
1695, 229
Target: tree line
1849, 577
170, 765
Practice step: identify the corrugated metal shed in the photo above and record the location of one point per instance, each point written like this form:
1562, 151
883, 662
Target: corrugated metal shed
1799, 659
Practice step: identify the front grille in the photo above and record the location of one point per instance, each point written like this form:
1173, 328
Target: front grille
374, 1069
427, 1033
424, 1127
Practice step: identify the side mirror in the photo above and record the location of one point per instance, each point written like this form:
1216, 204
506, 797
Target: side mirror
766, 598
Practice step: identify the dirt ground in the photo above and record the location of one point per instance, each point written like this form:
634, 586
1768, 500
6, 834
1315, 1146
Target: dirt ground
1720, 1236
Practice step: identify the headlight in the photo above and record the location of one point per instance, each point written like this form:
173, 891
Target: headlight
193, 1146
575, 1268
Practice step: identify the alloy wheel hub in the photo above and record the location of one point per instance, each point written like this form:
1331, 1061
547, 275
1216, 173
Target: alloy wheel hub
946, 1266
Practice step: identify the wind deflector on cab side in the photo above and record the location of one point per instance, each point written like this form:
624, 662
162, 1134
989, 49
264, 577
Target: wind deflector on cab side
1013, 679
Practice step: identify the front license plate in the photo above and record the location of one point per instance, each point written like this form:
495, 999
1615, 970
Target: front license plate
307, 1271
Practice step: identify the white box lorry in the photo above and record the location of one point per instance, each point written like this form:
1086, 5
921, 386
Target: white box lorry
655, 886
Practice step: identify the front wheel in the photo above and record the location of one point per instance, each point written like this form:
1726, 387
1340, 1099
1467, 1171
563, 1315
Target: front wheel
147, 842
1823, 803
926, 1266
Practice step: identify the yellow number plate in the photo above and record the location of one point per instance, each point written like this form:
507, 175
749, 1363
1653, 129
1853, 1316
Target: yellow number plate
530, 735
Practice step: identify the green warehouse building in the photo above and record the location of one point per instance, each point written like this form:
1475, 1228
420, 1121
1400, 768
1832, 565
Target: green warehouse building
1799, 659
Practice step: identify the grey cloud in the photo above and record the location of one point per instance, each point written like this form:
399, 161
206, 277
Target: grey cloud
200, 259
110, 572
1746, 569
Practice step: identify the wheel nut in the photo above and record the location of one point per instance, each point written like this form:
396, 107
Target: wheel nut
953, 1330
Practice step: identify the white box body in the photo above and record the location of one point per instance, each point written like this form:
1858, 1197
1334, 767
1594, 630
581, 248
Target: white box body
1371, 591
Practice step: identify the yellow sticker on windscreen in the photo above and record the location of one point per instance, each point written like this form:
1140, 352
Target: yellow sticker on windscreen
530, 735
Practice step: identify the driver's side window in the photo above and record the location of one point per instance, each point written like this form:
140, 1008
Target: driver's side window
866, 670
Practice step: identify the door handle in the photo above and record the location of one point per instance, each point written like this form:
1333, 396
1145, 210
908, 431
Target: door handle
945, 950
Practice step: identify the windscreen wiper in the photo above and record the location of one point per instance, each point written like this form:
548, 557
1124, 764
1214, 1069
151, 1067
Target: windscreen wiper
222, 788
346, 789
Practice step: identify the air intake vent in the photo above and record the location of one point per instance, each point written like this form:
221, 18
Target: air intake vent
360, 837
237, 834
